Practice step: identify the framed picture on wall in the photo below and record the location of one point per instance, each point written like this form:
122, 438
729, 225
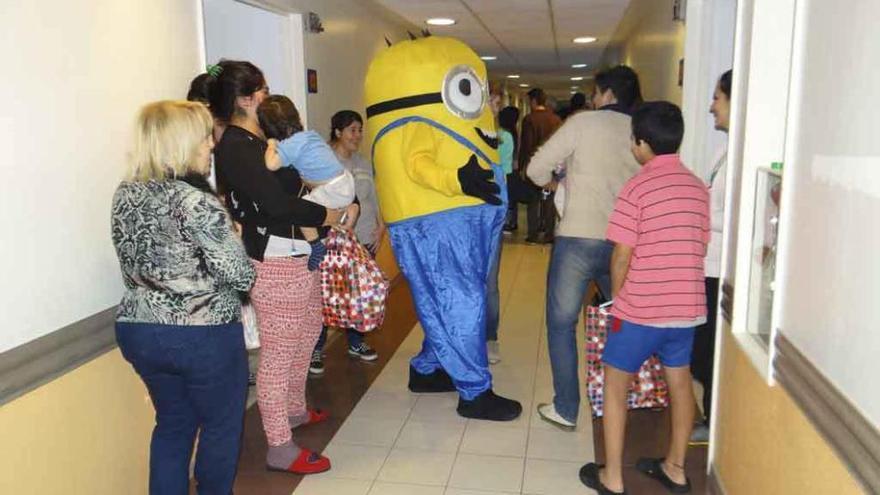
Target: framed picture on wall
312, 78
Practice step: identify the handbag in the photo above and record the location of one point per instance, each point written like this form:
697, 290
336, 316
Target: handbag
353, 286
648, 389
251, 331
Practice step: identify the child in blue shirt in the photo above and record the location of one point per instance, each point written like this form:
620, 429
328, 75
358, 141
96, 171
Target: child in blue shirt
330, 184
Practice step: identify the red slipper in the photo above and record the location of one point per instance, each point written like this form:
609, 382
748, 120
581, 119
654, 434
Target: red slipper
317, 416
307, 462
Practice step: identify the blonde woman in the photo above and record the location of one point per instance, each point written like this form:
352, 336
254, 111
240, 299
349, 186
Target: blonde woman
179, 321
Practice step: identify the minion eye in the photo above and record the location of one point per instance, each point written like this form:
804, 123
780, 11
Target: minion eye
463, 93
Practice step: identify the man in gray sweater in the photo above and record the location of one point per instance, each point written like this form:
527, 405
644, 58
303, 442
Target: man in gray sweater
596, 147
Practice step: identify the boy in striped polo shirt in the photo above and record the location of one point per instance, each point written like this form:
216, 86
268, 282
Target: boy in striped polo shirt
660, 227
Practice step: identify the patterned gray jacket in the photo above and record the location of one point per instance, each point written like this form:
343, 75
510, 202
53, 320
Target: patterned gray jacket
181, 262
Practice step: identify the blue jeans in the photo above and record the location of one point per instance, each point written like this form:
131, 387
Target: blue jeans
354, 338
574, 262
197, 378
493, 297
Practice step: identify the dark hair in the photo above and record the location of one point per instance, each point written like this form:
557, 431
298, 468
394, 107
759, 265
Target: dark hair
507, 118
623, 83
341, 120
538, 95
578, 101
658, 123
236, 78
278, 117
725, 81
198, 88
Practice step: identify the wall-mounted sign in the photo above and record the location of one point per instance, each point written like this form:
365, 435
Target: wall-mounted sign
312, 77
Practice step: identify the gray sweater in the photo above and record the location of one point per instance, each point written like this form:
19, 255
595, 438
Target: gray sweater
596, 147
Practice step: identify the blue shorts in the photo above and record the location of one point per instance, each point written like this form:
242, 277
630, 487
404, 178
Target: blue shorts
629, 347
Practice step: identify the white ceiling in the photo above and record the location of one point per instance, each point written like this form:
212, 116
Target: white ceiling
532, 38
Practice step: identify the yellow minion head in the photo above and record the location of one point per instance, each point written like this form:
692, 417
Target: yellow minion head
427, 114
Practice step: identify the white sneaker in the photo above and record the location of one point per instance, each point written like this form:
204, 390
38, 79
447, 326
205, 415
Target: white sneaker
494, 352
548, 413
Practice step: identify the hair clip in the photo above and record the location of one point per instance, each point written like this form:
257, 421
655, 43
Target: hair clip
214, 70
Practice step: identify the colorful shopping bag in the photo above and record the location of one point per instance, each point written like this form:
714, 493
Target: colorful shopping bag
648, 389
352, 284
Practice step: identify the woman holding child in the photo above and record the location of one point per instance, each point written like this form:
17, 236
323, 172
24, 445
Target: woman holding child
286, 295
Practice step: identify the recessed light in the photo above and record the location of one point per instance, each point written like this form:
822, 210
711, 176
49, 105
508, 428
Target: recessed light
577, 78
578, 66
440, 21
574, 87
513, 76
584, 39
573, 92
524, 85
489, 57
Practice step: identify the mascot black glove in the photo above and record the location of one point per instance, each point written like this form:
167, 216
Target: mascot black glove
477, 182
319, 250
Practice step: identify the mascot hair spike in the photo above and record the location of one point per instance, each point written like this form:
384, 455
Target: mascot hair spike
442, 194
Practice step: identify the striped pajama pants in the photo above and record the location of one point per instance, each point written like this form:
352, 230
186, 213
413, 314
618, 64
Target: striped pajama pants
287, 300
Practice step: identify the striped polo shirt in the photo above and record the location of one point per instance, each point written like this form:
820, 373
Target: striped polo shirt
663, 214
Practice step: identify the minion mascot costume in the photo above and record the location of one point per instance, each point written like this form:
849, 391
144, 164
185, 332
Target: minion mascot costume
441, 193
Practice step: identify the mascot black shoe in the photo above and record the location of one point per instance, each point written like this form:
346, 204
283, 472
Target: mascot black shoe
490, 407
438, 381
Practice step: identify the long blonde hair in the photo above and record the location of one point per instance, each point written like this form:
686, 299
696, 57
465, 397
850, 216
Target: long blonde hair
167, 138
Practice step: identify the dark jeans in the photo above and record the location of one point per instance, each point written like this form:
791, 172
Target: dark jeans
197, 378
493, 296
703, 360
574, 262
354, 338
541, 217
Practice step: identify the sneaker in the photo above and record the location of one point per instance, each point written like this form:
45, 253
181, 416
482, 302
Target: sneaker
700, 434
548, 413
494, 352
363, 351
316, 366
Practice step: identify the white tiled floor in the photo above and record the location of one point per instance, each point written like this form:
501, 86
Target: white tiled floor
396, 442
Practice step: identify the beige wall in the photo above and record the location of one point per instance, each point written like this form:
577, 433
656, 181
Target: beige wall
649, 41
765, 445
86, 433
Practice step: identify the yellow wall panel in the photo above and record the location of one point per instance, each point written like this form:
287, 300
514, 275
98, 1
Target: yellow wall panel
765, 443
88, 433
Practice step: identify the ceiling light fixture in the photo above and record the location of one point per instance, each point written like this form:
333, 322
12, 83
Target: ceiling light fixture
574, 87
524, 85
584, 39
489, 57
578, 66
440, 21
513, 76
577, 78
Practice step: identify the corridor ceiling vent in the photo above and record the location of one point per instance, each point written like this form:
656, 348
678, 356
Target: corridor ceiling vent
584, 39
513, 76
489, 57
578, 66
440, 21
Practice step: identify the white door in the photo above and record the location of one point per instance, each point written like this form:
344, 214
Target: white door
271, 40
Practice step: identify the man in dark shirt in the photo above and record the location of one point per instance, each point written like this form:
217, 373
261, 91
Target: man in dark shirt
537, 127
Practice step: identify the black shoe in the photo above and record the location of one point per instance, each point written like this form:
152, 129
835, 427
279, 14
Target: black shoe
654, 468
589, 475
363, 351
532, 240
438, 381
316, 366
252, 379
490, 407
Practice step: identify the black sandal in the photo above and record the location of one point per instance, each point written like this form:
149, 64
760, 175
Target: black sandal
654, 468
589, 475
